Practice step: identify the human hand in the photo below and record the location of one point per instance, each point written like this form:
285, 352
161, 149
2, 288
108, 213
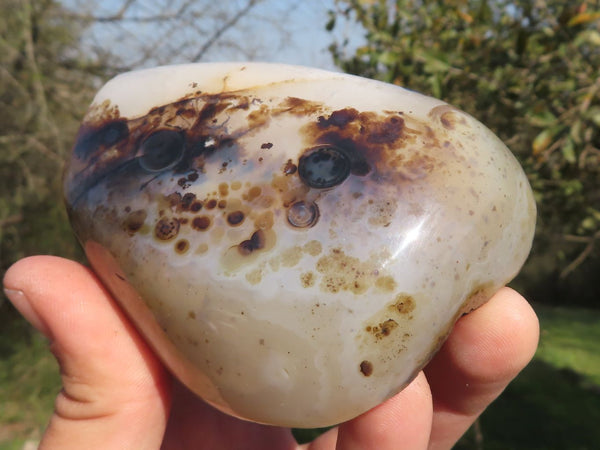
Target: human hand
117, 394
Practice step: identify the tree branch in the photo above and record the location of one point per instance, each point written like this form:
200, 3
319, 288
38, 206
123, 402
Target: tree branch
11, 220
42, 115
226, 26
587, 251
119, 16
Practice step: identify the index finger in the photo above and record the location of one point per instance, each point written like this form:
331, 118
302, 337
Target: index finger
485, 351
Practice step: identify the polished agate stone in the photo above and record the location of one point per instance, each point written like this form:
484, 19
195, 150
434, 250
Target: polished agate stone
294, 244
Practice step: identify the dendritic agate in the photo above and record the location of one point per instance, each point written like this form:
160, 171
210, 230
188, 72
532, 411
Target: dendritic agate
295, 244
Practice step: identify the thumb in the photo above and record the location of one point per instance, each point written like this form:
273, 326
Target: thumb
115, 392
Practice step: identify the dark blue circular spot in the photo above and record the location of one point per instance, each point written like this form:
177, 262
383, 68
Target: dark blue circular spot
324, 167
161, 150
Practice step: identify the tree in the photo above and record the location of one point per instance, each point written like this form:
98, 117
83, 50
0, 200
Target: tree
44, 89
138, 33
54, 55
531, 72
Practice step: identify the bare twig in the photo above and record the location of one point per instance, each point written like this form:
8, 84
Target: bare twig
587, 251
119, 15
43, 119
22, 143
590, 94
226, 26
576, 239
11, 220
10, 78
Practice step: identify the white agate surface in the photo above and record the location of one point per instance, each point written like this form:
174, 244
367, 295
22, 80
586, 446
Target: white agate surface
295, 244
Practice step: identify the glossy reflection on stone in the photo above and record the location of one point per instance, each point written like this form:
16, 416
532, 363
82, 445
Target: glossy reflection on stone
288, 236
303, 214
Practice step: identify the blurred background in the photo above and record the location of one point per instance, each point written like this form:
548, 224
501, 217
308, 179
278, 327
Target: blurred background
528, 69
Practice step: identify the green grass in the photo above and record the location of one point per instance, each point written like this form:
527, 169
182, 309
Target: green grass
29, 382
553, 404
543, 409
570, 339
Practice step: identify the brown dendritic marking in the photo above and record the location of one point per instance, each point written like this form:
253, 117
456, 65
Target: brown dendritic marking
366, 368
382, 145
291, 256
174, 199
389, 328
255, 276
256, 242
357, 136
289, 167
201, 223
106, 141
182, 246
235, 218
223, 189
313, 247
385, 283
383, 329
403, 303
253, 193
187, 202
451, 119
382, 212
166, 228
342, 272
265, 220
289, 188
307, 279
246, 252
202, 248
134, 221
187, 181
196, 206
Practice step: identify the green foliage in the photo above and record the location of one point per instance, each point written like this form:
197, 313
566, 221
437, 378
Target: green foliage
542, 409
569, 341
555, 402
29, 381
53, 57
46, 84
528, 70
526, 417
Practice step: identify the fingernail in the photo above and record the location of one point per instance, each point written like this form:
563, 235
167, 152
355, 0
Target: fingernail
23, 305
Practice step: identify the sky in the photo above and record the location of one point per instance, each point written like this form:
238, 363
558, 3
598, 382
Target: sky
291, 32
308, 40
